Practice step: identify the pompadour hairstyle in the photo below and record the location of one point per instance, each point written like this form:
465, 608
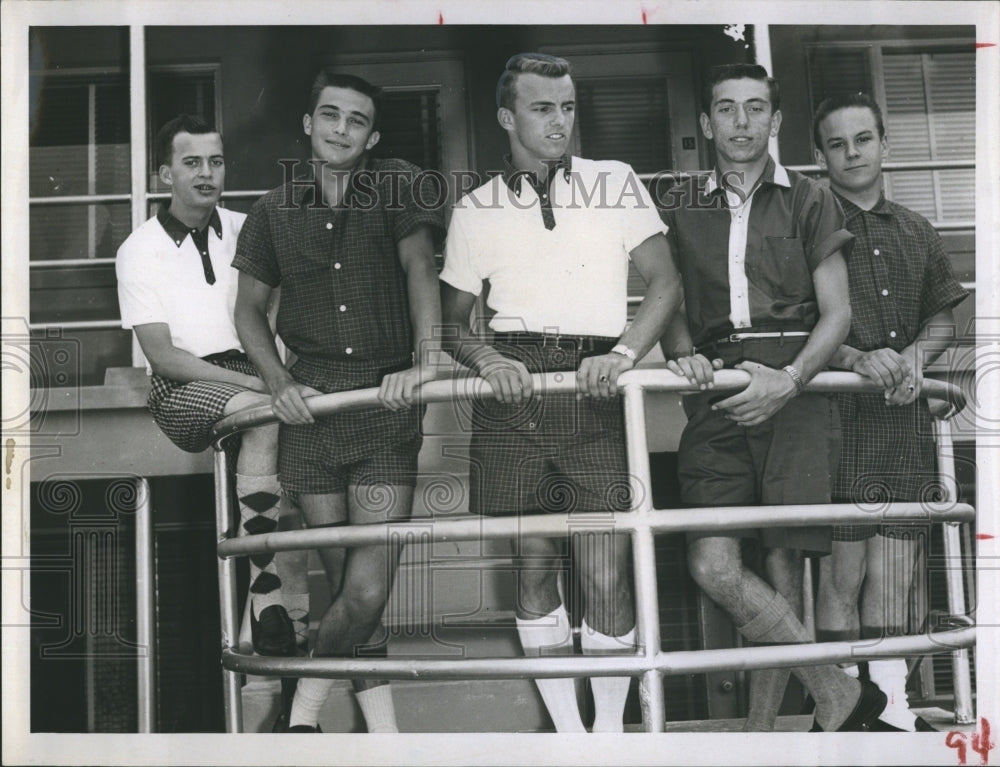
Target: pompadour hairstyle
522, 63
330, 78
722, 72
843, 101
183, 123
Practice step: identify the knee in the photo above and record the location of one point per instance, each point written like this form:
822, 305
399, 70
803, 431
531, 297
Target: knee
364, 605
716, 575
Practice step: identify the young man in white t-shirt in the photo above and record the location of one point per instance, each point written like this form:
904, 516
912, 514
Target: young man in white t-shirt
177, 290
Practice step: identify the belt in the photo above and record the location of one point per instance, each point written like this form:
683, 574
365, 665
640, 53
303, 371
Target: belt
585, 344
742, 337
228, 354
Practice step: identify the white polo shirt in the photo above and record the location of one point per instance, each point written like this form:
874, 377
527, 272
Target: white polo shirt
160, 280
570, 279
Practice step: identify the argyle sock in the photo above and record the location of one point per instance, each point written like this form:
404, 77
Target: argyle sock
259, 498
552, 634
835, 693
297, 606
610, 692
376, 704
890, 676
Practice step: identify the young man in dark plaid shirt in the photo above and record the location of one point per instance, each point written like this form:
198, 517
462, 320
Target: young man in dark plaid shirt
902, 294
353, 252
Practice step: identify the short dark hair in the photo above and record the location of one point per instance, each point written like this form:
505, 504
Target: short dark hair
842, 101
722, 72
183, 123
523, 63
330, 78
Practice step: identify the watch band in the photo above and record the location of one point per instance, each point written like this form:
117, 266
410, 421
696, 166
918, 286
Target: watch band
623, 350
796, 378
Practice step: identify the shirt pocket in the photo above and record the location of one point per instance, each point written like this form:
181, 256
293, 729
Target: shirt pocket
778, 267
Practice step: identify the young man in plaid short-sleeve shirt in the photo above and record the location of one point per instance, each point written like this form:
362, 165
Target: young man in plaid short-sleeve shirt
177, 291
902, 293
353, 252
553, 236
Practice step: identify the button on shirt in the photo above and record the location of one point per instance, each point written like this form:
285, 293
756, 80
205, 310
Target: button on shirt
791, 226
344, 294
899, 275
161, 278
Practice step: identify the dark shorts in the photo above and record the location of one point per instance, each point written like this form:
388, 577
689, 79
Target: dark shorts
550, 454
186, 412
368, 447
789, 459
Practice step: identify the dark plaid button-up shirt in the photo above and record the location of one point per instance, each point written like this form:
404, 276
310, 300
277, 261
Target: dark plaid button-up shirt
344, 292
900, 277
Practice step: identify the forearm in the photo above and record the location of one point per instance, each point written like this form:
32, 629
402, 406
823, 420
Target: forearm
659, 306
255, 335
825, 341
676, 340
425, 311
845, 357
183, 367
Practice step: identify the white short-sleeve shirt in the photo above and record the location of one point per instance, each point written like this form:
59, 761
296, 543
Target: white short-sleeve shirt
161, 281
571, 279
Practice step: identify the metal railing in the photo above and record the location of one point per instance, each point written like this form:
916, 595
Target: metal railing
649, 663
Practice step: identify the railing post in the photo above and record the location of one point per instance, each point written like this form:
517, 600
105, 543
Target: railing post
231, 695
647, 610
961, 675
145, 607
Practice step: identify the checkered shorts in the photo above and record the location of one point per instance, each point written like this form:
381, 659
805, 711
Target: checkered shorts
186, 412
550, 454
376, 446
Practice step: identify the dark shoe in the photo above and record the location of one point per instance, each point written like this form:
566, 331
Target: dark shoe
304, 728
923, 725
273, 633
871, 703
281, 723
864, 717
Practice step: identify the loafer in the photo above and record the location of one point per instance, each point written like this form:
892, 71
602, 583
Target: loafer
923, 725
273, 632
871, 703
865, 716
304, 728
920, 725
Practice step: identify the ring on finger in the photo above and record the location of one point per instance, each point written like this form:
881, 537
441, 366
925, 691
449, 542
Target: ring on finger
603, 379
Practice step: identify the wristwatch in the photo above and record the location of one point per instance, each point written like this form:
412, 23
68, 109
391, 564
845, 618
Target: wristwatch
796, 378
623, 350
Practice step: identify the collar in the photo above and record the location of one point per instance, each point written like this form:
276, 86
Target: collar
881, 208
178, 231
303, 184
512, 176
774, 174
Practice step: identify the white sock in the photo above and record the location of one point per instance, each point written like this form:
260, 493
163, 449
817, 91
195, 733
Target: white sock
852, 670
890, 676
553, 635
610, 692
310, 695
376, 704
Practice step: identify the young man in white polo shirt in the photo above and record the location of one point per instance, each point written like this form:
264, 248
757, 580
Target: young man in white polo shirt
177, 290
553, 237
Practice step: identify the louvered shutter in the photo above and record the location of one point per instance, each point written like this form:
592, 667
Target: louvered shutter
930, 115
625, 119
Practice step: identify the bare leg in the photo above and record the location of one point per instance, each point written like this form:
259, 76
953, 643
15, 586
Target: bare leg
762, 615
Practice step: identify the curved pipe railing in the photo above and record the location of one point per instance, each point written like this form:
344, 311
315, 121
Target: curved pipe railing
649, 662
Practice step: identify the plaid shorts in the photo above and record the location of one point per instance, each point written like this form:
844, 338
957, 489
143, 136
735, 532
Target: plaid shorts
553, 453
367, 447
790, 458
186, 412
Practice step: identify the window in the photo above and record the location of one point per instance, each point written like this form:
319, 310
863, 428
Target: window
81, 203
928, 96
411, 127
